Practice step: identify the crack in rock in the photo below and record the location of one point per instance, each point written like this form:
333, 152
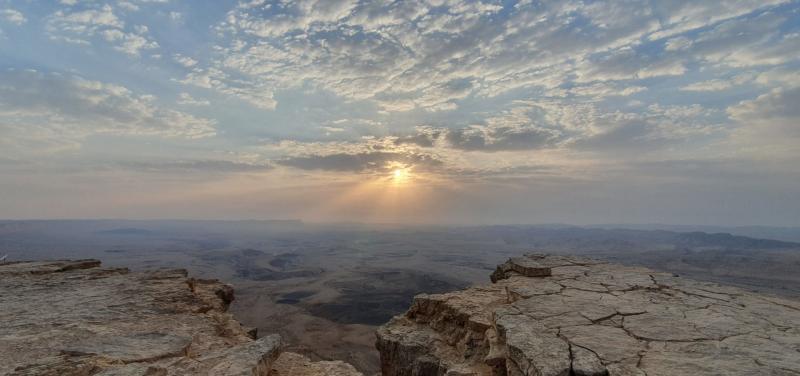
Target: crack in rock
591, 318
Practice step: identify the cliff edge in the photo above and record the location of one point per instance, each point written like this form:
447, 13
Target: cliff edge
74, 318
548, 315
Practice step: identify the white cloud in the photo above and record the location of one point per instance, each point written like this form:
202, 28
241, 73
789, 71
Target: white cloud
186, 61
602, 90
776, 109
418, 55
769, 124
128, 6
49, 107
13, 16
187, 99
679, 43
720, 84
411, 55
783, 77
213, 78
81, 27
627, 64
682, 16
529, 77
746, 42
781, 51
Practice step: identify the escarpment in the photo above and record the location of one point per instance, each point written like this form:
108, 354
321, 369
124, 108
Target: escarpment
543, 315
547, 315
75, 318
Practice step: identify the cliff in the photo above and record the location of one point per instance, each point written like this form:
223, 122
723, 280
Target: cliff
76, 318
542, 315
555, 315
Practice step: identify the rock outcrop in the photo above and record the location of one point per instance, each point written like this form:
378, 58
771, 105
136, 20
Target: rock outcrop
555, 315
76, 318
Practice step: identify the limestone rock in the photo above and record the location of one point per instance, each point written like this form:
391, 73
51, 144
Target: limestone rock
291, 364
560, 315
74, 318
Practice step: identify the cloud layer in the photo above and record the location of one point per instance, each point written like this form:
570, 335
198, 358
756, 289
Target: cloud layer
532, 96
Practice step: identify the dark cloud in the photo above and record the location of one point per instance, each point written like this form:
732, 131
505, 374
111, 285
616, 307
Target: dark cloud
502, 139
361, 162
424, 140
488, 139
425, 137
631, 134
213, 166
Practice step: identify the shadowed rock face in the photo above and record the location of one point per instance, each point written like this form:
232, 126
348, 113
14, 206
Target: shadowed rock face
555, 315
75, 318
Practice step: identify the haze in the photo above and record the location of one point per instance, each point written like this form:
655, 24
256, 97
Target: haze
434, 111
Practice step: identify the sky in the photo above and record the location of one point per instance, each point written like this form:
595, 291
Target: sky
439, 111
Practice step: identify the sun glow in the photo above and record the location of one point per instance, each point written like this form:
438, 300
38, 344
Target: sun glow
400, 175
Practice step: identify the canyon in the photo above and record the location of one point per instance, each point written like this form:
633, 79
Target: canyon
541, 315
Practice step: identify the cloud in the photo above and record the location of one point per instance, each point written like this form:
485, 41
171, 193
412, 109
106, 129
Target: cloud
126, 5
414, 55
213, 78
176, 16
424, 137
186, 61
501, 138
779, 105
561, 124
781, 76
514, 129
532, 95
41, 105
719, 84
84, 26
683, 16
769, 123
426, 56
205, 165
598, 91
13, 16
188, 100
747, 42
628, 64
368, 161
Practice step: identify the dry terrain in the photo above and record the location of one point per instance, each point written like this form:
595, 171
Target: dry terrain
325, 289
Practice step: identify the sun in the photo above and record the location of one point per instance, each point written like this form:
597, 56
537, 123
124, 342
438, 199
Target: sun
400, 175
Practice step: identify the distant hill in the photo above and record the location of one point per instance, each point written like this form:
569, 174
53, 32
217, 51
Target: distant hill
127, 231
698, 239
784, 233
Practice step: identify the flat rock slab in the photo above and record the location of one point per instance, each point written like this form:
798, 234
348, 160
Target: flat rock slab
291, 364
73, 318
128, 348
562, 315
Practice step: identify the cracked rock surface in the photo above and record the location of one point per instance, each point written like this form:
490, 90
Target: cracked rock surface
547, 315
75, 318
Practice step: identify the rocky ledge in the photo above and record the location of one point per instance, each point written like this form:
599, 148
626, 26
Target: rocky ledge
553, 315
76, 318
